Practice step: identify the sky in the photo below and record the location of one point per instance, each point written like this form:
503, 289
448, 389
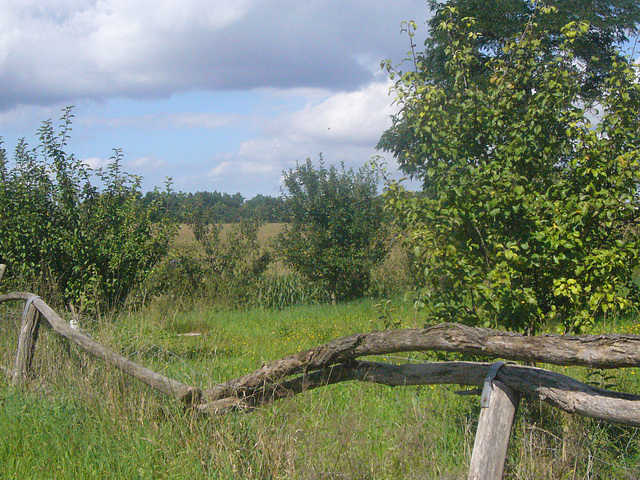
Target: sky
219, 95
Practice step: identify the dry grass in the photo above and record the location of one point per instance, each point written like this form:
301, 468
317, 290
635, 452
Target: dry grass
266, 234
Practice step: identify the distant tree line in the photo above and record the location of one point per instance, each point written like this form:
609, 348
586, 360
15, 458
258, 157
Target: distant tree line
216, 207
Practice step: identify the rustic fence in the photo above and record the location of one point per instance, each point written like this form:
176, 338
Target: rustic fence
501, 383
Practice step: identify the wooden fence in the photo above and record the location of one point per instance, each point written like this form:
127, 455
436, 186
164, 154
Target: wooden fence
501, 384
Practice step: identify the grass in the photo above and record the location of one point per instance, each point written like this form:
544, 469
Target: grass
266, 233
81, 419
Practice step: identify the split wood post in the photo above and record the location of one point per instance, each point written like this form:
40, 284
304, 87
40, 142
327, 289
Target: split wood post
499, 404
3, 267
27, 339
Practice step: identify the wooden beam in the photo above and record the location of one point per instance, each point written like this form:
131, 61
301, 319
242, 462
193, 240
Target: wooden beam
27, 339
493, 433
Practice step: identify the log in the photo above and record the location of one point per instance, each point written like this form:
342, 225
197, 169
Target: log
559, 390
336, 362
186, 393
493, 434
597, 351
27, 339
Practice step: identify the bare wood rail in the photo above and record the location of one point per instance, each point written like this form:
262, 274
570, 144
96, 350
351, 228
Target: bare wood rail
337, 361
26, 343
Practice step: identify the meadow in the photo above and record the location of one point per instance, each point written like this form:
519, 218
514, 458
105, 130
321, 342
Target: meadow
81, 419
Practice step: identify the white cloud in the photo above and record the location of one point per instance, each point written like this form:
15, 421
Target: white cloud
347, 118
220, 169
95, 162
344, 125
196, 120
59, 52
148, 163
242, 167
174, 120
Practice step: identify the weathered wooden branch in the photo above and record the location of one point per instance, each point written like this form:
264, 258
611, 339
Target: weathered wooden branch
559, 390
168, 386
597, 351
337, 361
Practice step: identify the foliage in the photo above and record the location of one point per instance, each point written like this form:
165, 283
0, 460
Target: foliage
216, 207
90, 245
264, 208
528, 209
226, 267
336, 232
611, 23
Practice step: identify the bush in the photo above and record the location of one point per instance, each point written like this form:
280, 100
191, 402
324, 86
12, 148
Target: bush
64, 236
223, 267
336, 232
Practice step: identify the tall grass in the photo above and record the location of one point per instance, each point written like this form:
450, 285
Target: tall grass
81, 419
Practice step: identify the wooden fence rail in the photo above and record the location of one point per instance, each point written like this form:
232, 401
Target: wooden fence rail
339, 361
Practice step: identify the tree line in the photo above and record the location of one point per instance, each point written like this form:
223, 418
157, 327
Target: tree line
217, 207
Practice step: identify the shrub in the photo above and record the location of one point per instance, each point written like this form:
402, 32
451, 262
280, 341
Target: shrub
87, 245
336, 232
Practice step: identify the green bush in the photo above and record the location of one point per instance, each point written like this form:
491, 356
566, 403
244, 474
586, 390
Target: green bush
66, 237
336, 233
221, 267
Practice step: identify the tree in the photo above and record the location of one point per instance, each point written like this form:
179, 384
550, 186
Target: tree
264, 208
336, 232
62, 234
528, 210
611, 24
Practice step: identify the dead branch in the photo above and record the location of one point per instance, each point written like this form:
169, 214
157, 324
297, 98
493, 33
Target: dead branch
168, 386
338, 361
559, 390
597, 351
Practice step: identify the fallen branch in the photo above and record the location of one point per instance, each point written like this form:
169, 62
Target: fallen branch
337, 361
597, 351
168, 386
554, 388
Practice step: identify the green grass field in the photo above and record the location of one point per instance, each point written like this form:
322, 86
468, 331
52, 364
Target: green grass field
81, 419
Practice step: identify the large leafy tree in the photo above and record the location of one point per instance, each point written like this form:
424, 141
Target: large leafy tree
611, 24
530, 198
335, 233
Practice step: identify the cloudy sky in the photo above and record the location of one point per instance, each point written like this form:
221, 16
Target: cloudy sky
217, 94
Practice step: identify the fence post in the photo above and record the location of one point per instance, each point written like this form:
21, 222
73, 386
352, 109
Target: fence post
3, 267
27, 339
494, 430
